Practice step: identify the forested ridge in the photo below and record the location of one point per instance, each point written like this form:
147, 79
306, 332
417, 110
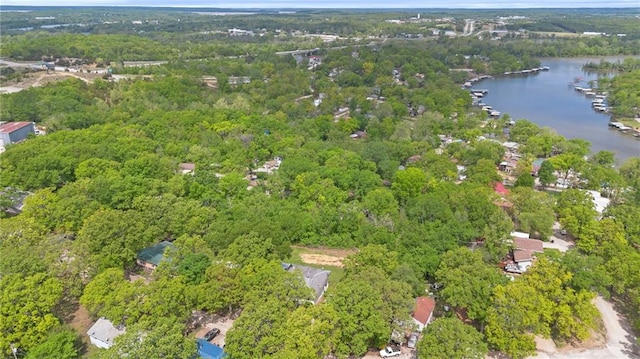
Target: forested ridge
379, 151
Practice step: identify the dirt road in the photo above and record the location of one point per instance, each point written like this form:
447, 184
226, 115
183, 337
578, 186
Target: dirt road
620, 344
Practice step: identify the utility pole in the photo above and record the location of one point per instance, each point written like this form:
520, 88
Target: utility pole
14, 350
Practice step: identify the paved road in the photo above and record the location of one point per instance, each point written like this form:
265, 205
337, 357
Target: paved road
468, 27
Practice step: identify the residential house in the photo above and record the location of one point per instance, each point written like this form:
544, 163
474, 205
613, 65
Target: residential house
239, 80
423, 311
186, 168
500, 189
270, 166
151, 257
599, 202
358, 134
524, 251
207, 350
102, 333
314, 278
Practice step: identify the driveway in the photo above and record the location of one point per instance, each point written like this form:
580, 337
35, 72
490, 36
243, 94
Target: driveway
557, 240
620, 344
406, 354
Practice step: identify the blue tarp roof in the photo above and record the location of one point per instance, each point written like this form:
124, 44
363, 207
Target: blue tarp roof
210, 351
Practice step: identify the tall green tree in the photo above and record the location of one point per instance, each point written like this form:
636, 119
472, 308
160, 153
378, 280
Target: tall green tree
450, 338
468, 281
163, 338
26, 305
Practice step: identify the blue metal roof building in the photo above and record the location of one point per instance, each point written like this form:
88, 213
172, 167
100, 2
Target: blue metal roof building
207, 350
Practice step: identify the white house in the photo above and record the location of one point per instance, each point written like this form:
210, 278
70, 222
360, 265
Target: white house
102, 333
423, 311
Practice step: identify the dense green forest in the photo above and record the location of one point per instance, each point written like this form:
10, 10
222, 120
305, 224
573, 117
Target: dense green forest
365, 165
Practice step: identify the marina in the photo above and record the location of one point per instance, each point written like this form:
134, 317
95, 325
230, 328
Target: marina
545, 99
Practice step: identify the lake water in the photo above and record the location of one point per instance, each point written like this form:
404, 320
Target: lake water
546, 99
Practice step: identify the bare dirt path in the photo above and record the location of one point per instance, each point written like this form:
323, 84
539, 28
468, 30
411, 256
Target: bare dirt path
620, 343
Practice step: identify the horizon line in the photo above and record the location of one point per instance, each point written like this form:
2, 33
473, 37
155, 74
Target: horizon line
320, 8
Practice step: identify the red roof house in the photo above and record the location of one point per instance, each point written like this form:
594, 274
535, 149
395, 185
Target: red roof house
423, 311
500, 189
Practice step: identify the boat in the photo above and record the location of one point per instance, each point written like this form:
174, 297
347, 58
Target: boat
494, 113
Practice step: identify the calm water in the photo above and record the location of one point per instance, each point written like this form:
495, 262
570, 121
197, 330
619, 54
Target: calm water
547, 99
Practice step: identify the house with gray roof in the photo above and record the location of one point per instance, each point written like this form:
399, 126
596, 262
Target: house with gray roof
102, 333
315, 278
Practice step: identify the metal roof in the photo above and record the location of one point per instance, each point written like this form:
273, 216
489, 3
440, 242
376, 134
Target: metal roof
10, 127
154, 254
104, 331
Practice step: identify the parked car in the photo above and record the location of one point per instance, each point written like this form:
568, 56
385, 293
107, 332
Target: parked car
413, 339
389, 352
211, 334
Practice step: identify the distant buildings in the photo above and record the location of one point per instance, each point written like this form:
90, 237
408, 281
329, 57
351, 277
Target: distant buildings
240, 32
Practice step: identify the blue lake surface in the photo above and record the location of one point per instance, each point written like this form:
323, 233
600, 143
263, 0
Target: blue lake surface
546, 99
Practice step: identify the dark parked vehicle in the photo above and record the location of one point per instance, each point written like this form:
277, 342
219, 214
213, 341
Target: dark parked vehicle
211, 334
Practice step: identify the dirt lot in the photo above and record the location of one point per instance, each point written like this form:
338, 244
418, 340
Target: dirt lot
324, 256
223, 324
35, 79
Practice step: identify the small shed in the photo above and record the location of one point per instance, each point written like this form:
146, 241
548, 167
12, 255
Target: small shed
150, 257
102, 333
207, 350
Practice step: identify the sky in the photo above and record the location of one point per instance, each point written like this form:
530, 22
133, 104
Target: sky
246, 4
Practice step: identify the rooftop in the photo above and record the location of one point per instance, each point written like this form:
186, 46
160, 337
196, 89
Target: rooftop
155, 253
500, 189
520, 255
314, 278
13, 126
207, 350
104, 331
423, 309
187, 166
533, 245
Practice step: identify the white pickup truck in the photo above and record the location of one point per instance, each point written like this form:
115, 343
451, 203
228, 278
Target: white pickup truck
389, 352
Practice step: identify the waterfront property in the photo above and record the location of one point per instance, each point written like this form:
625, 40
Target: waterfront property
546, 100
